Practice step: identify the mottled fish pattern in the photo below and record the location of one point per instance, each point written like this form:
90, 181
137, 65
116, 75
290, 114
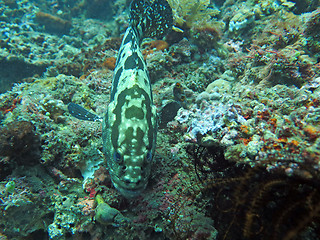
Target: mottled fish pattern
130, 123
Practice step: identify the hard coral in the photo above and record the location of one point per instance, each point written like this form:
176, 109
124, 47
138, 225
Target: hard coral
53, 23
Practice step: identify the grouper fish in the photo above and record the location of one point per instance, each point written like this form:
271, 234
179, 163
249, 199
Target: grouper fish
129, 127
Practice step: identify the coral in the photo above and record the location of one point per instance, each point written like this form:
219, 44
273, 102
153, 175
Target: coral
241, 20
101, 56
55, 110
158, 64
156, 45
88, 206
159, 45
207, 34
311, 132
186, 12
68, 217
249, 203
109, 63
24, 206
210, 124
219, 85
10, 186
53, 23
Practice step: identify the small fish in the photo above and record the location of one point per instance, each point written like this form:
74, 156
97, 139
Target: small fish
170, 110
130, 123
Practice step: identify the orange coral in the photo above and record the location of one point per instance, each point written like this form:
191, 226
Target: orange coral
311, 132
109, 63
159, 45
246, 140
244, 129
156, 45
294, 143
273, 122
293, 146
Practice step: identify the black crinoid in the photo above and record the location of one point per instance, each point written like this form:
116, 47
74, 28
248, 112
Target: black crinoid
208, 161
252, 202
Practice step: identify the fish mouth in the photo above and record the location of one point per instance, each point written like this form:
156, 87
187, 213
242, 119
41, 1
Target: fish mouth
127, 191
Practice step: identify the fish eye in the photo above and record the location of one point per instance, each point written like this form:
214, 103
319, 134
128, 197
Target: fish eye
117, 156
149, 156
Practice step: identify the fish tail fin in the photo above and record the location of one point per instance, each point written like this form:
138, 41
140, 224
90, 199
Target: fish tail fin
151, 18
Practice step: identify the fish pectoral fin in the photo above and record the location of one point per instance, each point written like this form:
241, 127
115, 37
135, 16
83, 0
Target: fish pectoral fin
81, 113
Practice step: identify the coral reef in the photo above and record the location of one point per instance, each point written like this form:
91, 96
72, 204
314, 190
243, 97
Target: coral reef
249, 203
239, 161
68, 217
185, 13
25, 210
